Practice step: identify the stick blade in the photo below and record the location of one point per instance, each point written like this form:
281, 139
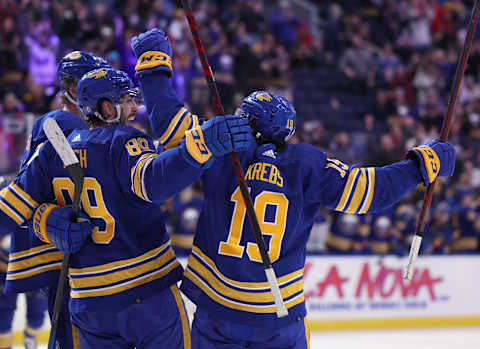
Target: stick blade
59, 142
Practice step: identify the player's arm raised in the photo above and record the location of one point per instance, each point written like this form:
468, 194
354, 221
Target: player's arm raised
168, 116
354, 189
182, 165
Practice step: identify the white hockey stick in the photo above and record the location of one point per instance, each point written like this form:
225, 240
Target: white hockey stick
64, 150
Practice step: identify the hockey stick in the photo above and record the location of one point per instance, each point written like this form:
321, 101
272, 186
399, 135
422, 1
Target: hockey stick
447, 121
237, 167
70, 160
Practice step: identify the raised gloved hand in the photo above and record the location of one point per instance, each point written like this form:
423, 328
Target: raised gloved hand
52, 224
434, 159
153, 52
215, 138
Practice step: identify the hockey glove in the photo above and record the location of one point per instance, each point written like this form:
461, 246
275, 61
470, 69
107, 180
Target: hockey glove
215, 138
52, 224
153, 52
434, 159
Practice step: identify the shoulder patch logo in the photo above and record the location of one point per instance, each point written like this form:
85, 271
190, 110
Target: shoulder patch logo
269, 153
77, 138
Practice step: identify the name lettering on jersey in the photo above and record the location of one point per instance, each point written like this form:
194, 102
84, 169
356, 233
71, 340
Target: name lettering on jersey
82, 157
265, 172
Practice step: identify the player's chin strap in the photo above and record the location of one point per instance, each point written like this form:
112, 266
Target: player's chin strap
110, 121
70, 98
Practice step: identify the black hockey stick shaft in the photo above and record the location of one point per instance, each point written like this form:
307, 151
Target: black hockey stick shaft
215, 95
446, 124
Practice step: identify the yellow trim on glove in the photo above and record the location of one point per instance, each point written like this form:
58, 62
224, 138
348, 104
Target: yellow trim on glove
151, 59
40, 221
196, 146
430, 161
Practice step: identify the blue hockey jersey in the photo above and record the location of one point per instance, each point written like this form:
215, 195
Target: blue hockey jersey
128, 255
225, 274
34, 264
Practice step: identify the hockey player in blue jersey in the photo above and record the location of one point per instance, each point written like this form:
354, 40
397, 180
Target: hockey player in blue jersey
288, 183
41, 263
122, 274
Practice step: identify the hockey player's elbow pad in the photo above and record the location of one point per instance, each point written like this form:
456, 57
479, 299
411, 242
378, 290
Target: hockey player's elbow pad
434, 159
52, 224
153, 52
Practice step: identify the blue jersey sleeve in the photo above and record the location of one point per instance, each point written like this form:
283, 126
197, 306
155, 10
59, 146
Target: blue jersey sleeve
29, 188
155, 177
167, 114
353, 189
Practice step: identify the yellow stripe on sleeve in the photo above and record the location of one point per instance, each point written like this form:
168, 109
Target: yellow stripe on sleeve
358, 193
180, 132
16, 203
31, 251
171, 126
23, 195
371, 188
144, 168
35, 271
11, 213
347, 190
136, 174
31, 262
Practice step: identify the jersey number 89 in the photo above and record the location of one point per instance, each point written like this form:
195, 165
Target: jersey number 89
275, 229
93, 205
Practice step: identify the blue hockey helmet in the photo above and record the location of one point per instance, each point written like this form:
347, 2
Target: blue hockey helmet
76, 64
270, 115
103, 84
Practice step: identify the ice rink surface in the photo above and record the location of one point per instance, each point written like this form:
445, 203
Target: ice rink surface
451, 338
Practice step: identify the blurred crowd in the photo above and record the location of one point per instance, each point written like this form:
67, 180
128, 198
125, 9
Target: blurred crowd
369, 79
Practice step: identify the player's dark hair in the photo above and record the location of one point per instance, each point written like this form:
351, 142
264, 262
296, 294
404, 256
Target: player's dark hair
91, 119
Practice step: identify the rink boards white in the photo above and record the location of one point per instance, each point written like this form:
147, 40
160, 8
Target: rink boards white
350, 292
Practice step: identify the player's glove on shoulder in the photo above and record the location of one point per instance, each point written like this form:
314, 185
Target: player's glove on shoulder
215, 138
52, 224
153, 52
434, 159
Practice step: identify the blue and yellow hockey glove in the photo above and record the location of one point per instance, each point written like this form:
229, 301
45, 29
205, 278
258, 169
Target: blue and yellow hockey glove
153, 52
434, 159
52, 224
215, 138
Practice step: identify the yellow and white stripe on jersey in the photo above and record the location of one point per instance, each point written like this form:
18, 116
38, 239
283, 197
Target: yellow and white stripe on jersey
254, 297
181, 122
36, 260
121, 275
16, 203
358, 191
137, 175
